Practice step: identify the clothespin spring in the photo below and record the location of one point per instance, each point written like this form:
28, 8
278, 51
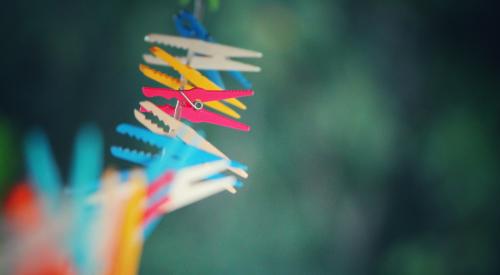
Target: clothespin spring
197, 105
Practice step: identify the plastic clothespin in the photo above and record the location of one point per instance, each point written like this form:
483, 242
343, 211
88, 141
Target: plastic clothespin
188, 26
84, 175
162, 143
187, 189
192, 102
43, 171
175, 83
209, 56
188, 135
130, 236
189, 185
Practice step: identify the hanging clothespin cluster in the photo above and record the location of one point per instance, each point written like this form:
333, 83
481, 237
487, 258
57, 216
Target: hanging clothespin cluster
97, 223
208, 57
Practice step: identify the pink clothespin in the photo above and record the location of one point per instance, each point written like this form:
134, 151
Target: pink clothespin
192, 103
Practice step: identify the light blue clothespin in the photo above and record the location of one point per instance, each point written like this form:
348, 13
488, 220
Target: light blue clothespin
84, 179
164, 144
43, 171
85, 170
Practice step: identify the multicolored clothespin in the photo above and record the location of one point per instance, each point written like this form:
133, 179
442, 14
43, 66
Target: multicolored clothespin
193, 101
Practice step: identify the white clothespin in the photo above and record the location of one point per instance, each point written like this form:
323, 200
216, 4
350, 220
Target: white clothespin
188, 187
207, 55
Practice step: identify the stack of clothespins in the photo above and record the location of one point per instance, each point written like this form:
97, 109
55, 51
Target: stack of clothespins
98, 224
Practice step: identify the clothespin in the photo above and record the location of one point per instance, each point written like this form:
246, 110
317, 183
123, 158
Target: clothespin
189, 185
84, 174
161, 143
175, 83
188, 26
210, 56
43, 171
192, 103
188, 135
112, 199
187, 188
130, 237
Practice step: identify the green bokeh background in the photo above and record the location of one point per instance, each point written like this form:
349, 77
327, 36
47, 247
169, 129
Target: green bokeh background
375, 125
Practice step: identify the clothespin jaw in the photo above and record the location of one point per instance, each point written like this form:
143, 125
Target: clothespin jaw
201, 47
188, 135
206, 63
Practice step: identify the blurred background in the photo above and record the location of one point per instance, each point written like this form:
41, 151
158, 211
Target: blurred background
375, 124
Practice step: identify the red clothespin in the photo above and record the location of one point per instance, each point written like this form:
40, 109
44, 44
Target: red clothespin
192, 104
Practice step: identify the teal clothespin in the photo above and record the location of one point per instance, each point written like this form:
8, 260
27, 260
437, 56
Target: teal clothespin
43, 171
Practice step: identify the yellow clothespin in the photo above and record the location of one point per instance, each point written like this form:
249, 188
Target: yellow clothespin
111, 198
131, 238
192, 75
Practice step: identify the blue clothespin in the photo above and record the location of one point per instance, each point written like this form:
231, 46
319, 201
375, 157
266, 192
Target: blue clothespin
163, 144
84, 179
188, 26
43, 171
84, 173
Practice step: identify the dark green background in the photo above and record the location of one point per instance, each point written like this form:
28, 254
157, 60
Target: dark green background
374, 147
